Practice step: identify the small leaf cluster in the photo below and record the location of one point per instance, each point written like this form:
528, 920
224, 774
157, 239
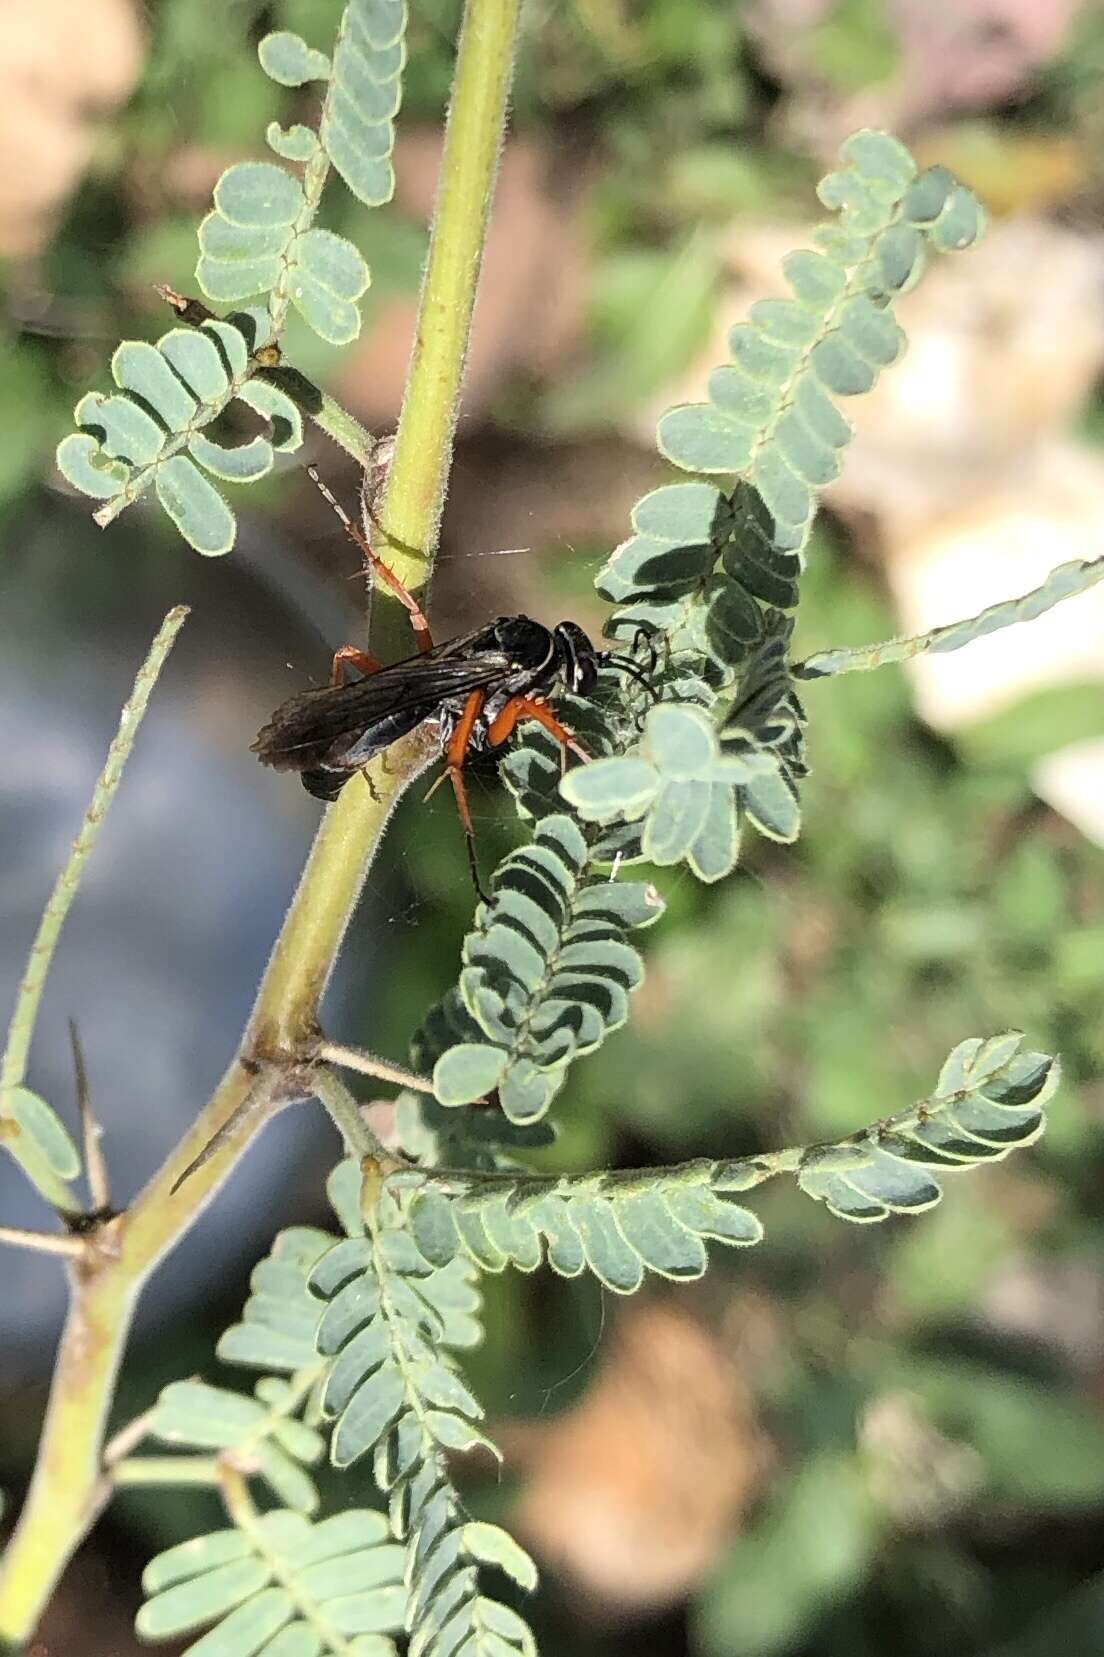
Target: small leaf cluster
153, 430
770, 417
547, 974
261, 1433
255, 241
446, 1612
617, 1225
277, 1434
392, 1318
690, 785
390, 1315
359, 1336
1064, 581
259, 238
283, 1588
988, 1100
713, 572
363, 1330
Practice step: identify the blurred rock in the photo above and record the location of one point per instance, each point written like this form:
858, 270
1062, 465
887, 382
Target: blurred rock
64, 63
632, 1493
911, 62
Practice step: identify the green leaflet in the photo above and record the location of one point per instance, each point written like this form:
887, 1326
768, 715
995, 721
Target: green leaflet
259, 238
392, 1390
304, 1587
153, 434
547, 973
45, 1130
989, 1100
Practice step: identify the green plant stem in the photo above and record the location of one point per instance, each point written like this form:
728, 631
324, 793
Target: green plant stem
358, 1138
13, 1067
168, 1470
67, 1481
46, 1242
411, 509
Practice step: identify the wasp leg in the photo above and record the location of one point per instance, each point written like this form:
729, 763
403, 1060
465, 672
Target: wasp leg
455, 755
524, 707
359, 659
418, 620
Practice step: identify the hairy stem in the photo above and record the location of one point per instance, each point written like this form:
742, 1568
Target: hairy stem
13, 1066
411, 508
68, 1483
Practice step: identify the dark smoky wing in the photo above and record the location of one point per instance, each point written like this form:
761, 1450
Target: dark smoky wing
320, 727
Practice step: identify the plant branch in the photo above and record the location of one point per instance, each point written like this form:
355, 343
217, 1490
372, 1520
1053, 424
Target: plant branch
167, 1470
46, 1242
367, 1064
411, 508
13, 1066
359, 1140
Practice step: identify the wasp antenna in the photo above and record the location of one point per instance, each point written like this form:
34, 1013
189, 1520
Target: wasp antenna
613, 658
328, 495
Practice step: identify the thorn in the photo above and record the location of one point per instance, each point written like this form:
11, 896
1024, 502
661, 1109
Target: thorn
215, 1143
99, 1181
258, 1098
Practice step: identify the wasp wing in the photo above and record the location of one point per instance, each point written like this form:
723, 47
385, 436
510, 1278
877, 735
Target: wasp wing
342, 728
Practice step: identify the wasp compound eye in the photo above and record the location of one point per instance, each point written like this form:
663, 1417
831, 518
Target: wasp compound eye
579, 658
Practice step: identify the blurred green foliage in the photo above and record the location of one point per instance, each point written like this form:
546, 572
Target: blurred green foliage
930, 896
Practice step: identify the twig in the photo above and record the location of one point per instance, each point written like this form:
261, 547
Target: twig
128, 1438
13, 1067
46, 1242
205, 1470
360, 1139
367, 1064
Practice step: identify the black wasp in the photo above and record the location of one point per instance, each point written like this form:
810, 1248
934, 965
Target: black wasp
476, 689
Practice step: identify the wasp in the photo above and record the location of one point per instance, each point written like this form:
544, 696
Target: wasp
476, 689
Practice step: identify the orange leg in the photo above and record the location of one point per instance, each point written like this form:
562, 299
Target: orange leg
418, 620
524, 707
359, 659
455, 755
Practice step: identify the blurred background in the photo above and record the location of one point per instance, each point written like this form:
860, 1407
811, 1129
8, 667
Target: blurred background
853, 1440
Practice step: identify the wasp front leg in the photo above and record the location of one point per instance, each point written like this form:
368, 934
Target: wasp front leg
526, 707
360, 659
